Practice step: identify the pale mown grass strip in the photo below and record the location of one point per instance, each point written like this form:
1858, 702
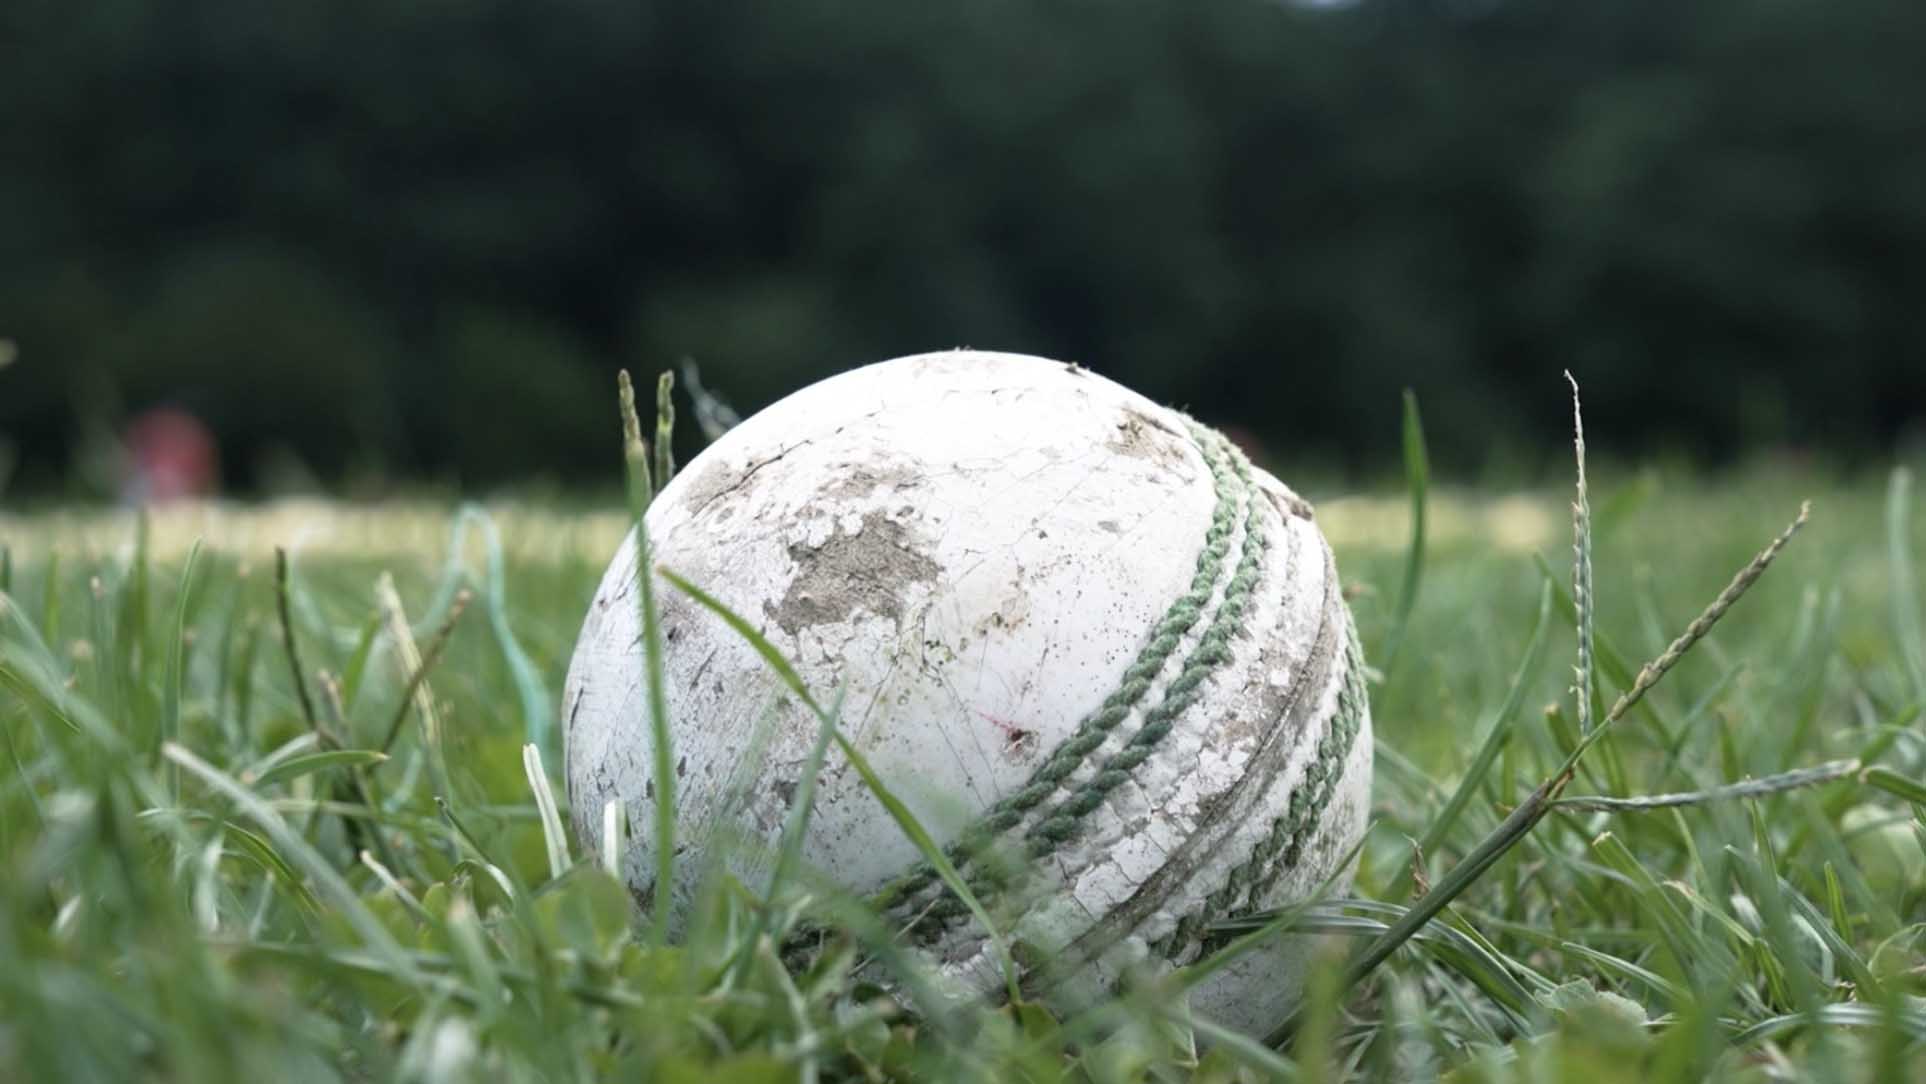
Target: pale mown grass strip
334, 530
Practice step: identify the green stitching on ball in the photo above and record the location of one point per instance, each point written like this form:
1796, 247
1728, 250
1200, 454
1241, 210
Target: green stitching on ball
1211, 652
1283, 847
1231, 481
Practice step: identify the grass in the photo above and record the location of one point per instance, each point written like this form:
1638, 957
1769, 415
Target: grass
218, 862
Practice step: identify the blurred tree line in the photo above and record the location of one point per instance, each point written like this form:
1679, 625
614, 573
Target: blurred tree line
416, 238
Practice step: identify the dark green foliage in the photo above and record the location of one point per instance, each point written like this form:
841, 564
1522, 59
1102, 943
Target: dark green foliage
416, 237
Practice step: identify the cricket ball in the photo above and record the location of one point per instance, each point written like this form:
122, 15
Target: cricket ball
1101, 656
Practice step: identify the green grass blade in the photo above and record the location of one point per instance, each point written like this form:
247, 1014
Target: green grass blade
263, 853
1253, 930
933, 854
796, 824
538, 719
109, 687
1611, 662
1626, 969
176, 651
1253, 1054
50, 599
641, 493
1501, 727
290, 641
301, 854
553, 837
905, 820
296, 767
132, 655
1904, 594
773, 658
357, 668
1892, 782
1417, 478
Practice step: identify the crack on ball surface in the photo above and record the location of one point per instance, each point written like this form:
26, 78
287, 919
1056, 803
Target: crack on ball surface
860, 480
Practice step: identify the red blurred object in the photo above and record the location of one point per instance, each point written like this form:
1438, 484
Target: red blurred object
170, 456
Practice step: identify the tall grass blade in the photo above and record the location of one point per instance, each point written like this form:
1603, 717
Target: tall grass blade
713, 416
1892, 782
50, 599
641, 493
1501, 729
357, 668
796, 825
311, 763
416, 693
905, 820
1905, 583
289, 642
176, 653
613, 820
553, 836
300, 853
1417, 479
538, 717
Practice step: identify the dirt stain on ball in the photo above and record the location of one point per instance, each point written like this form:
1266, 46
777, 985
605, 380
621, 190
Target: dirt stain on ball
867, 571
1140, 436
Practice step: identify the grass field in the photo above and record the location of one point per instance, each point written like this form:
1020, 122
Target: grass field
207, 873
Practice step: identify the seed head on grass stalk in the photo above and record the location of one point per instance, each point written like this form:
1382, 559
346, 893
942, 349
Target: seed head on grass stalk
641, 493
1582, 565
1651, 672
664, 429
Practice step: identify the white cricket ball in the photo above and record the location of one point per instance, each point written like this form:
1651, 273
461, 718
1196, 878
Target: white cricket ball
1102, 657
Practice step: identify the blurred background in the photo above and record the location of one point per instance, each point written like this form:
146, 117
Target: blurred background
261, 245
